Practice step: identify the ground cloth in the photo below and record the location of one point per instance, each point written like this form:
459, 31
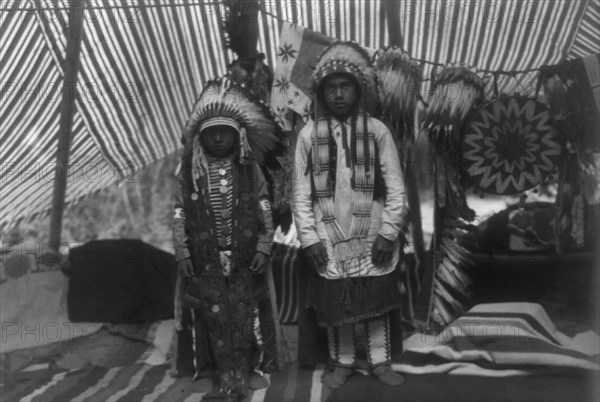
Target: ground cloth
129, 363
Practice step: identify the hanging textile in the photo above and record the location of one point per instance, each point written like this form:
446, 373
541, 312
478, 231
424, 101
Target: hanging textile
511, 145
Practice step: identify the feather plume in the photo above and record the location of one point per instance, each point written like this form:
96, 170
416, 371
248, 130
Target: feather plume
452, 304
556, 93
255, 74
400, 80
452, 287
457, 90
441, 313
240, 25
452, 290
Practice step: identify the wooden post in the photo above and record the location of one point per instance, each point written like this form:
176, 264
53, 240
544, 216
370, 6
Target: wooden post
437, 227
392, 9
67, 111
392, 13
414, 204
281, 347
250, 25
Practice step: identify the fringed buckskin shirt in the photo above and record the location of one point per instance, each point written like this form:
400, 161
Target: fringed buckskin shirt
388, 211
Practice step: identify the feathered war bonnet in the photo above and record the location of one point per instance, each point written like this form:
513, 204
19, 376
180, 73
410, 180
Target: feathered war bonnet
351, 59
226, 102
348, 58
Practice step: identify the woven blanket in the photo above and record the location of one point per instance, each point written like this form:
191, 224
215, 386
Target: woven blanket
500, 339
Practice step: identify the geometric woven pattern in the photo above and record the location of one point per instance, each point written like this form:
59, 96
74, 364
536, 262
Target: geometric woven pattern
510, 146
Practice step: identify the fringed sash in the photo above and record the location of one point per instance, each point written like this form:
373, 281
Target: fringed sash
363, 179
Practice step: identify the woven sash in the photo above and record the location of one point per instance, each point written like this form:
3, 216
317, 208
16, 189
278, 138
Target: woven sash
354, 245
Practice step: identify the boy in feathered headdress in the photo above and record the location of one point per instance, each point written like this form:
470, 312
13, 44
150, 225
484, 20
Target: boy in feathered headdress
349, 206
222, 231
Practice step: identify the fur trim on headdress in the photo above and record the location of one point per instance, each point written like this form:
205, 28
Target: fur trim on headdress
223, 98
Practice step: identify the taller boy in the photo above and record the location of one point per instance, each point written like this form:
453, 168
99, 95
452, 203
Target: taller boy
349, 206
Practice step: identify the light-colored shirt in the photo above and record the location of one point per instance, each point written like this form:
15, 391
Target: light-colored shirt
388, 212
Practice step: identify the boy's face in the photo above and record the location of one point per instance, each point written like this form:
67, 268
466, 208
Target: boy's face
340, 95
219, 141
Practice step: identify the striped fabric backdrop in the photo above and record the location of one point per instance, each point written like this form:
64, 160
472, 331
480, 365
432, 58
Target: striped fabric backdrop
143, 63
489, 35
140, 70
30, 111
586, 40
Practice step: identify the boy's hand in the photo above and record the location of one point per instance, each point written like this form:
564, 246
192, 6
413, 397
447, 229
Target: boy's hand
316, 255
185, 267
259, 263
382, 251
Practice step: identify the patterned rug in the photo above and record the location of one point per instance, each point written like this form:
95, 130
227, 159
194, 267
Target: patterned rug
129, 363
143, 382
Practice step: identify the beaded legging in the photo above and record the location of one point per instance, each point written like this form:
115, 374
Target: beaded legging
342, 342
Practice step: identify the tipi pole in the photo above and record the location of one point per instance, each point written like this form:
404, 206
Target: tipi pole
392, 10
67, 111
